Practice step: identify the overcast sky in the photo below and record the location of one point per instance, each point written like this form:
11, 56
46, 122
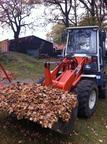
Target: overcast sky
8, 34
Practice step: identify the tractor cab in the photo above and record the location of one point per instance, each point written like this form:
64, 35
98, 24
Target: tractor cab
80, 41
87, 41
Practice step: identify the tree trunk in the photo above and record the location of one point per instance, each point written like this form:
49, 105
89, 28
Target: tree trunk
16, 37
93, 11
66, 15
75, 12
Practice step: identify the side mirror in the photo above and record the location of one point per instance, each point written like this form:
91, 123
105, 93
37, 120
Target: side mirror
103, 36
63, 37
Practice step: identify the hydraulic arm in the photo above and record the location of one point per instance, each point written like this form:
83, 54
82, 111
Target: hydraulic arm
67, 74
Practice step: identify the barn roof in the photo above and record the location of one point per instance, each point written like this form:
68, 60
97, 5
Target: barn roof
31, 38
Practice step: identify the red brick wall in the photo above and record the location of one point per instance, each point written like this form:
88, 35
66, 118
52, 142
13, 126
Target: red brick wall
4, 46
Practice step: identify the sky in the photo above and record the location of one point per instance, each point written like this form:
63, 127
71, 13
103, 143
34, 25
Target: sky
41, 33
8, 34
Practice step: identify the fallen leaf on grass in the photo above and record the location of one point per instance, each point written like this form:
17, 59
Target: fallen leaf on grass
100, 140
19, 142
76, 133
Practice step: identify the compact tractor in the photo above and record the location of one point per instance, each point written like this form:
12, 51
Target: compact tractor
82, 71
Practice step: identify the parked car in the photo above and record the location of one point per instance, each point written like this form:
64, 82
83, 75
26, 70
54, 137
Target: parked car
44, 56
60, 56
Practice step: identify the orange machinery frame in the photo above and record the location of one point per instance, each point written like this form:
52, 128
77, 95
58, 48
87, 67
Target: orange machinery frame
71, 70
4, 73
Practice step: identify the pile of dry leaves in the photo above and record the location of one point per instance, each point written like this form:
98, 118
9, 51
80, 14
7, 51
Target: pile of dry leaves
45, 105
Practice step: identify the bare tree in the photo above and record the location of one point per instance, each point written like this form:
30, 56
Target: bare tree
75, 7
90, 6
13, 14
66, 9
101, 12
97, 10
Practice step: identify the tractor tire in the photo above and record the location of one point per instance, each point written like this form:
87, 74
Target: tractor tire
87, 92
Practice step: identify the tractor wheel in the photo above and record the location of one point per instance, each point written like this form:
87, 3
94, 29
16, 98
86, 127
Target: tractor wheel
87, 97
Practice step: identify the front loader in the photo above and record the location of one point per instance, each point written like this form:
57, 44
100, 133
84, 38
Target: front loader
81, 71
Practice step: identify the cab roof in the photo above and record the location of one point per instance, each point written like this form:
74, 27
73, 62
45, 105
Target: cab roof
82, 27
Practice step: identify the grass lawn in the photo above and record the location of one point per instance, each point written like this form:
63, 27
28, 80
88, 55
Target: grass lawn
26, 67
13, 131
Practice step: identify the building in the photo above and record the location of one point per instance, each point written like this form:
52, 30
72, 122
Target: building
33, 46
59, 49
4, 45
